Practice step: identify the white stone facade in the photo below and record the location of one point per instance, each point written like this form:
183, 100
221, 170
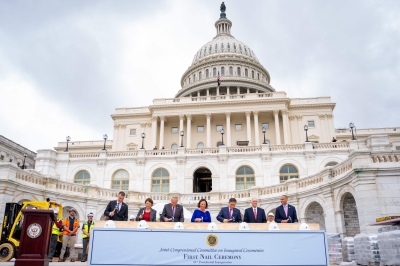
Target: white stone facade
362, 183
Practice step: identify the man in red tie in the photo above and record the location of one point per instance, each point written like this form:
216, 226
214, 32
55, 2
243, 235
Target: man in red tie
285, 213
254, 214
230, 214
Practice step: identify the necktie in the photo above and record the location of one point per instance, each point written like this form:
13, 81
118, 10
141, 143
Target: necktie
286, 210
230, 214
119, 206
173, 211
255, 213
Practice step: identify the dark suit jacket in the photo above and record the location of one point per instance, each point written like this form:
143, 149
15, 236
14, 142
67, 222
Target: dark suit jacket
280, 214
153, 214
224, 214
167, 213
121, 215
249, 216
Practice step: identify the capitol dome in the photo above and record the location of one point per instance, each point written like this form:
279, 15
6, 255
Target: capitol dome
236, 63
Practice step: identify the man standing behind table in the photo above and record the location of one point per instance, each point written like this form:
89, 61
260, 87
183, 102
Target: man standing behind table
230, 214
254, 214
117, 210
172, 212
285, 213
86, 228
70, 226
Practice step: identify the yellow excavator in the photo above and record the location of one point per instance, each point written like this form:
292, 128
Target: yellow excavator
12, 225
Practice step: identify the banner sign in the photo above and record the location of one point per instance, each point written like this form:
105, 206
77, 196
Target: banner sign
120, 246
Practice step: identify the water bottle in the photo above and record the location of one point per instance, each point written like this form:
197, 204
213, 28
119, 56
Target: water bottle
233, 218
201, 218
173, 218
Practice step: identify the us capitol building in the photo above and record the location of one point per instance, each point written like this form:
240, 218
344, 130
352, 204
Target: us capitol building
241, 139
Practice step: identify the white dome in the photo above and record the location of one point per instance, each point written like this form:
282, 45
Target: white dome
224, 44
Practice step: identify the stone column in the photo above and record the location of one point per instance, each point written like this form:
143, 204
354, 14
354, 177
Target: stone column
323, 131
277, 130
162, 120
188, 130
256, 131
115, 141
122, 137
228, 129
248, 90
238, 90
208, 92
248, 126
300, 128
286, 132
181, 117
227, 90
154, 132
217, 91
198, 93
208, 130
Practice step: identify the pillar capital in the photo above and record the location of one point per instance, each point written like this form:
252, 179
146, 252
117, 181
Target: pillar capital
228, 114
189, 117
248, 113
208, 115
181, 117
284, 112
276, 112
255, 113
154, 118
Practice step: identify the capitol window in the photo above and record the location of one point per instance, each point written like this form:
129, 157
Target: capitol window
238, 71
205, 50
246, 72
231, 71
222, 71
311, 123
207, 73
214, 72
245, 49
258, 76
222, 46
174, 130
133, 132
210, 49
244, 178
331, 164
82, 177
240, 47
265, 125
238, 126
1, 157
216, 47
200, 129
174, 146
120, 180
194, 77
160, 181
229, 46
252, 74
219, 127
287, 172
234, 46
200, 75
200, 145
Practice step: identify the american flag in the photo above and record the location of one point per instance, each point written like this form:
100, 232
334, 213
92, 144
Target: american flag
218, 80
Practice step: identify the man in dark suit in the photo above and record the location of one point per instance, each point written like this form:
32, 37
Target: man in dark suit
254, 214
285, 213
117, 210
230, 214
172, 212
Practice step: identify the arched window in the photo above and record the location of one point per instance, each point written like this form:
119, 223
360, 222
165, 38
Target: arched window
207, 73
205, 50
238, 71
194, 77
287, 172
222, 71
200, 75
246, 72
229, 46
200, 145
214, 72
231, 71
234, 46
240, 47
244, 178
174, 146
331, 164
209, 49
120, 180
252, 74
216, 47
82, 177
160, 181
258, 76
245, 49
222, 46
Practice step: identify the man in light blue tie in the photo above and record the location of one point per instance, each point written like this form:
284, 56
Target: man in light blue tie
285, 213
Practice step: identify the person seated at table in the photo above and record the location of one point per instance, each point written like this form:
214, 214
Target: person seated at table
271, 218
230, 214
201, 215
132, 218
147, 213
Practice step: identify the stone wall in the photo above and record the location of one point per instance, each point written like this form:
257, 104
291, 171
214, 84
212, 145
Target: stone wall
315, 214
351, 223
